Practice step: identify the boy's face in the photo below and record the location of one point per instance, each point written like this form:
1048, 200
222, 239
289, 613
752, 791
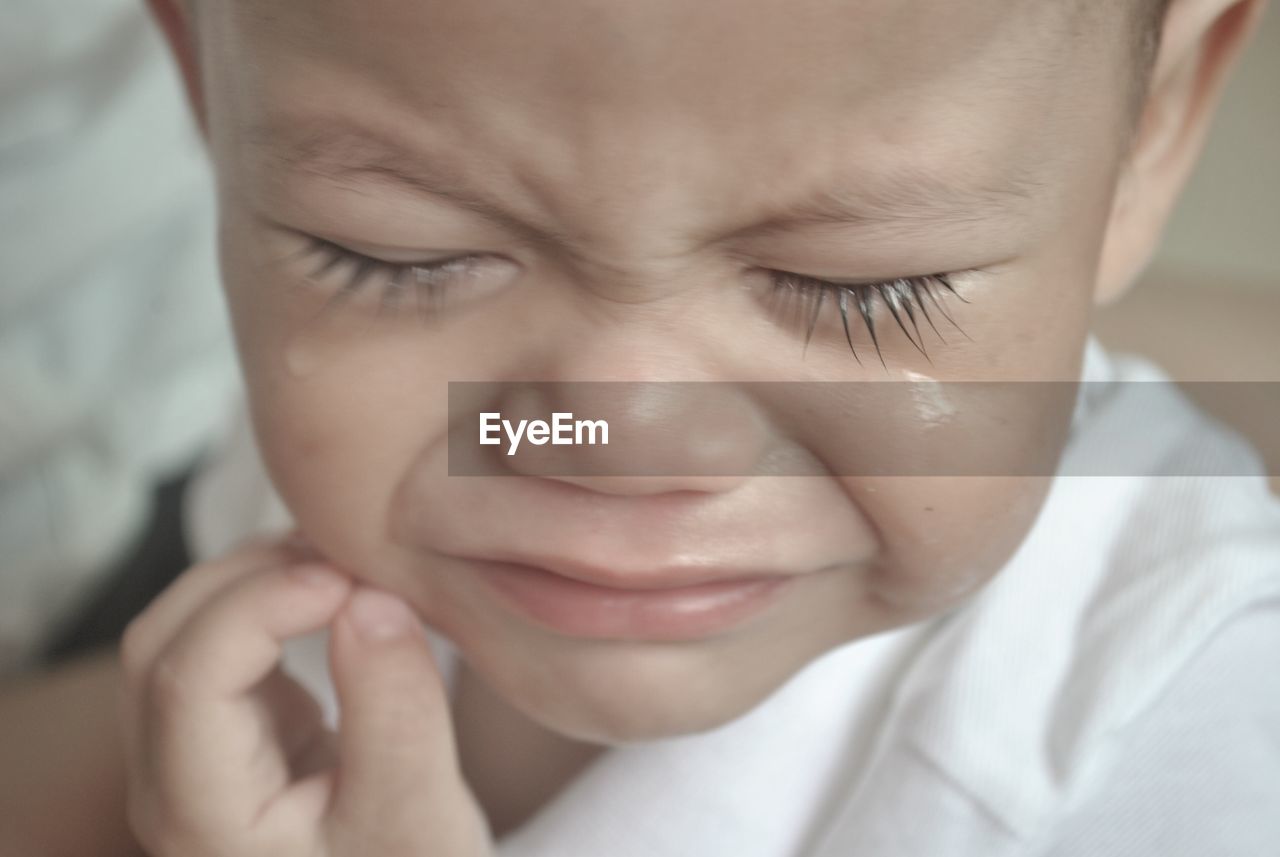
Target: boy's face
644, 161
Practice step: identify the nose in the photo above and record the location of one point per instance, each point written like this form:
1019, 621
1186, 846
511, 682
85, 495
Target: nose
662, 436
675, 420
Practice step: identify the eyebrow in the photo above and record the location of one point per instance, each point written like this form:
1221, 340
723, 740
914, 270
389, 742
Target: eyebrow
338, 151
902, 196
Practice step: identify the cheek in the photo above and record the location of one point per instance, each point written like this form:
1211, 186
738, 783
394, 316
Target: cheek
339, 431
335, 463
944, 537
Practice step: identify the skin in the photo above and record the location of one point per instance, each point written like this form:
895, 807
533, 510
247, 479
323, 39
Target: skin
634, 168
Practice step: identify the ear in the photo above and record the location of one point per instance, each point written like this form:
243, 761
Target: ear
173, 18
1202, 39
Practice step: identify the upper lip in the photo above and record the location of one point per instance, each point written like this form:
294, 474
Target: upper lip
666, 577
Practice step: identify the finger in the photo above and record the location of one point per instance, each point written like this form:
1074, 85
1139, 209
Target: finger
399, 779
148, 634
211, 743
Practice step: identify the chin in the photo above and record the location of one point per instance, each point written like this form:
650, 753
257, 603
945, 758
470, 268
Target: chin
606, 697
630, 724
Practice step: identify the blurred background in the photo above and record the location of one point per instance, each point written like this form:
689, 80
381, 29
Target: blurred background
1227, 227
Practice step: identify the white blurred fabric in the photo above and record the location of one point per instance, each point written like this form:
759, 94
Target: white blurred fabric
115, 360
1113, 692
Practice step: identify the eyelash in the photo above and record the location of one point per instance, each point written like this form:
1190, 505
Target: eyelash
365, 268
905, 298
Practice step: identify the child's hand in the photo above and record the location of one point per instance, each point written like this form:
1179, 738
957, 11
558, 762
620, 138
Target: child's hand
230, 757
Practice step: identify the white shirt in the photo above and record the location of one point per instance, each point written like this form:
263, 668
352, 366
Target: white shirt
115, 355
1115, 690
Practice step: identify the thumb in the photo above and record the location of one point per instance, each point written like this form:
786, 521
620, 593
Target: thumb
399, 781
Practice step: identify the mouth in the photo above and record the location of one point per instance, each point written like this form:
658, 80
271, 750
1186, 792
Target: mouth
665, 605
649, 580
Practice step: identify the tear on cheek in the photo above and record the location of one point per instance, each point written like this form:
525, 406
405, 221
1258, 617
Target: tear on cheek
932, 405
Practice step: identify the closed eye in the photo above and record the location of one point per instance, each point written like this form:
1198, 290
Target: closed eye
426, 283
907, 299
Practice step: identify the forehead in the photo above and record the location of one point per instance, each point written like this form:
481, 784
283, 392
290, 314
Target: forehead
600, 93
639, 48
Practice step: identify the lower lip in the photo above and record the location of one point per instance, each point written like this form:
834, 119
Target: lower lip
579, 609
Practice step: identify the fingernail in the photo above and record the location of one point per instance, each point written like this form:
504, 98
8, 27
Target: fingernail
378, 616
